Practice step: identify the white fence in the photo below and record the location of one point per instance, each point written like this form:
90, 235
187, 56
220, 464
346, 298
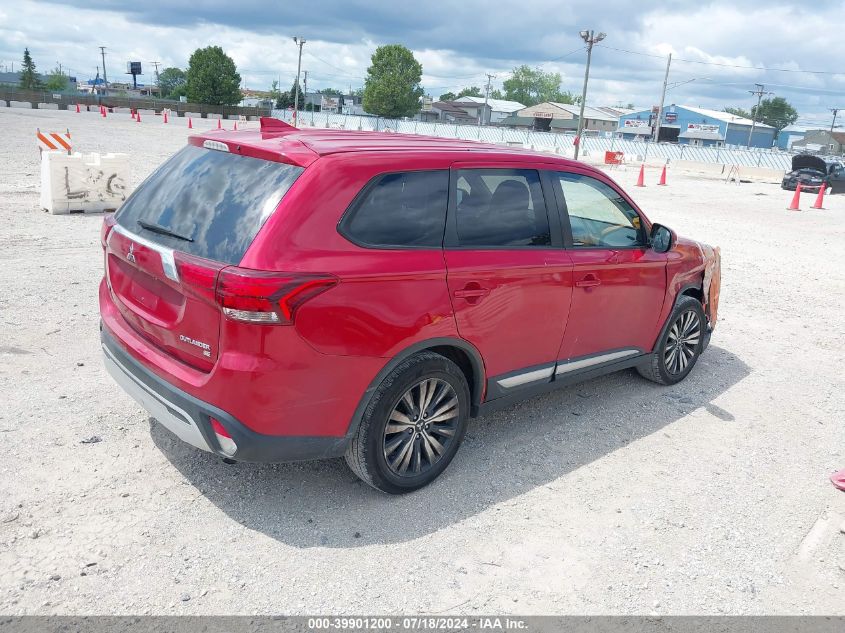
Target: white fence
548, 141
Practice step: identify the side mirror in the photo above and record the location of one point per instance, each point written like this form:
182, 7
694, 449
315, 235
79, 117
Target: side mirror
661, 238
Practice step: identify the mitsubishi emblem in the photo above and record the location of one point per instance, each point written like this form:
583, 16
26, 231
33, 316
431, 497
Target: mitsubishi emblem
130, 256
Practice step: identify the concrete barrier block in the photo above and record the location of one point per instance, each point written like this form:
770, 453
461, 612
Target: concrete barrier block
121, 110
20, 104
193, 115
147, 111
86, 183
695, 166
213, 115
48, 106
761, 174
3, 104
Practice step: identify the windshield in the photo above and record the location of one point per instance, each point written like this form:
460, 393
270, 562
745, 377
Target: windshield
207, 202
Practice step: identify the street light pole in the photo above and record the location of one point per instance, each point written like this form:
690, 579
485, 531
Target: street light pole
590, 37
300, 42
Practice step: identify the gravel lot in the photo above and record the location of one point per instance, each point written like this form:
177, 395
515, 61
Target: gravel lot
615, 496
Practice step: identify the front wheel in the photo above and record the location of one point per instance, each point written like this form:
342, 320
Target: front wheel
680, 345
413, 426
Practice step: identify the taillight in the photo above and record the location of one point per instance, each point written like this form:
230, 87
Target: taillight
197, 275
105, 229
267, 297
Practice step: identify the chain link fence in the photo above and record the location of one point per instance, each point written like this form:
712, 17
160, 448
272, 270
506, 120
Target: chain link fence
550, 142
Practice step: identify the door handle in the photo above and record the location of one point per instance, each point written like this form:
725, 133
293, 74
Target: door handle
589, 281
472, 292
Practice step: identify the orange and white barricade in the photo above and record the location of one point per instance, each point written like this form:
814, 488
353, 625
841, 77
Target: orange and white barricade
53, 141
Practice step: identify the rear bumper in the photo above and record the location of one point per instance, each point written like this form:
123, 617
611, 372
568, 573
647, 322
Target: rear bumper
190, 418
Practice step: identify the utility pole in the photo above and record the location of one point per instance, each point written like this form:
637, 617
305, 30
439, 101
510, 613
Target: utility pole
105, 78
591, 38
157, 64
833, 123
662, 101
761, 90
486, 97
299, 41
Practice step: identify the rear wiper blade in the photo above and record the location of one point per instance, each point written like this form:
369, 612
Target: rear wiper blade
162, 230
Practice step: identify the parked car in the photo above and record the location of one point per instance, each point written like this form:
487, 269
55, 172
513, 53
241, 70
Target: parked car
813, 171
287, 294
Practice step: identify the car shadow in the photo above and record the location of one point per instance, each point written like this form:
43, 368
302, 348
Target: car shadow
505, 454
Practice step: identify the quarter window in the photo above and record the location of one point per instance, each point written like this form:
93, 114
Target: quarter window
501, 208
405, 209
598, 214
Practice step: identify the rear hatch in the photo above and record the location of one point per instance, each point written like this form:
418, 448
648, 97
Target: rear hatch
194, 216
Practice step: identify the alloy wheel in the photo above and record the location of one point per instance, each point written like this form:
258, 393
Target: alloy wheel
421, 427
682, 342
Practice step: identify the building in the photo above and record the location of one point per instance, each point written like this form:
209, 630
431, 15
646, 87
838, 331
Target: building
821, 142
696, 126
447, 112
550, 116
788, 135
493, 113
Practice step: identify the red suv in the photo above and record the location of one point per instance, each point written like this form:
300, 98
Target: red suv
286, 294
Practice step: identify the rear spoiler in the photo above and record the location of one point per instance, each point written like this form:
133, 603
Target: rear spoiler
270, 124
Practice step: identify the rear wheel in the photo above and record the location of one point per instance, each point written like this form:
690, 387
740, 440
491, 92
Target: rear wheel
680, 345
413, 426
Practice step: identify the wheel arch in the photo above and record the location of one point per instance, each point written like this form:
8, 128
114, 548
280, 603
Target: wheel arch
688, 289
459, 351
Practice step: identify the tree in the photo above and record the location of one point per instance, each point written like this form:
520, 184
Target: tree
776, 112
213, 78
330, 92
745, 114
29, 76
532, 86
57, 81
472, 91
169, 80
392, 88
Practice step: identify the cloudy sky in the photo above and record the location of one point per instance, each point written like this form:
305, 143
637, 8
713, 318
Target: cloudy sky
724, 47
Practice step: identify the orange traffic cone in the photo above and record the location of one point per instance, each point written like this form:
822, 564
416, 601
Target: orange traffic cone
796, 200
77, 108
641, 179
820, 198
190, 124
104, 111
165, 117
137, 117
663, 177
236, 126
219, 126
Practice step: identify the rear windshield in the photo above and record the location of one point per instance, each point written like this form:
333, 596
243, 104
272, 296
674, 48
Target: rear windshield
215, 201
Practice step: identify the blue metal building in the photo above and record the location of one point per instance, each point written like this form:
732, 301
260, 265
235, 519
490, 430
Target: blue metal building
696, 126
789, 135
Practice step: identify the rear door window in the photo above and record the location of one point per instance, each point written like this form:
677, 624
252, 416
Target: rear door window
406, 209
207, 202
500, 208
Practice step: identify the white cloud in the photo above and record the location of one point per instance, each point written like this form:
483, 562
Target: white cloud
458, 44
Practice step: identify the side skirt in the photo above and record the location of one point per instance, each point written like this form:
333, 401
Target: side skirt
560, 380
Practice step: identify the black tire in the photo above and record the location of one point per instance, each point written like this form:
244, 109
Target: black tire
369, 453
665, 366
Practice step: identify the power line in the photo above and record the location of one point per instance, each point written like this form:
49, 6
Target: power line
724, 65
